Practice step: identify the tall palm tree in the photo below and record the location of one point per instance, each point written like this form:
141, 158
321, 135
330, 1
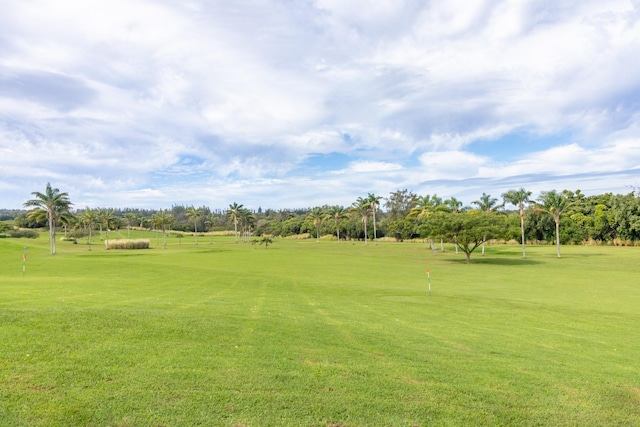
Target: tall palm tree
374, 202
88, 218
337, 213
487, 204
316, 215
518, 198
453, 204
209, 222
194, 214
162, 220
424, 206
106, 217
554, 204
54, 205
247, 222
361, 207
234, 213
129, 217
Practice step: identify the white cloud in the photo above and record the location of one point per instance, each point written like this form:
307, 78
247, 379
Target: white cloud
111, 98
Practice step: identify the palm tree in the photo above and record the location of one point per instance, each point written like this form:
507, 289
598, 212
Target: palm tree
194, 214
487, 204
424, 206
554, 204
209, 222
106, 218
54, 205
316, 214
337, 213
453, 204
234, 213
518, 198
247, 221
361, 207
374, 202
88, 218
162, 220
129, 217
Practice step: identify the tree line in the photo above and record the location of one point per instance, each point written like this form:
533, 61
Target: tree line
565, 217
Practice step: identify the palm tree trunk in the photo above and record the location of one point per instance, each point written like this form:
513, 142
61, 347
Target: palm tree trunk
52, 235
524, 252
558, 236
375, 234
365, 230
235, 227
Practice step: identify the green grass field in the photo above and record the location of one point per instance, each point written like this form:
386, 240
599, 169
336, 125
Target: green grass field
317, 334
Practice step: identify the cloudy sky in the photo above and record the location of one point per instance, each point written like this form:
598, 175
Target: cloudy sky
292, 103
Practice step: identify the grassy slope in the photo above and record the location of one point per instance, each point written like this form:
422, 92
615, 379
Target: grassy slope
317, 334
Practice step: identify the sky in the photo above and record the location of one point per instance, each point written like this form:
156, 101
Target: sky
291, 104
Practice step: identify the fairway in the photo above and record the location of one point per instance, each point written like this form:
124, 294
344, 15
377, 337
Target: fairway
309, 333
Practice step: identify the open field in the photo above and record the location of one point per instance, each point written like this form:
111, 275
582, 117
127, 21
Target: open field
317, 334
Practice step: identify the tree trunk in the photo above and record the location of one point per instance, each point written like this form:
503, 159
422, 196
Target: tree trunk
375, 236
52, 235
524, 253
558, 236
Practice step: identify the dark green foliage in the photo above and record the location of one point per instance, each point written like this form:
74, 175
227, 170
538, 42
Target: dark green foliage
18, 234
467, 229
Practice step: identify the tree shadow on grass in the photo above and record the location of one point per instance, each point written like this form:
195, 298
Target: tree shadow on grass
495, 261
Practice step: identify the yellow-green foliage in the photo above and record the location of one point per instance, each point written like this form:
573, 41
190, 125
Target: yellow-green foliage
299, 236
127, 244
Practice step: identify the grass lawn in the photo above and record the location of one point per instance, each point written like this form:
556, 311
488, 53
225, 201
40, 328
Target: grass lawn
317, 334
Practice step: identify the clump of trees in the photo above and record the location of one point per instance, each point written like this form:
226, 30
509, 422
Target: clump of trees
564, 217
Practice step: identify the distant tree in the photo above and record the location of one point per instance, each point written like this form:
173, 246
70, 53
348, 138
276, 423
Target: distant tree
88, 218
247, 222
337, 213
425, 206
467, 228
626, 216
129, 218
106, 218
554, 204
519, 198
488, 204
234, 212
361, 208
162, 221
453, 204
266, 241
194, 215
316, 215
374, 202
53, 204
399, 204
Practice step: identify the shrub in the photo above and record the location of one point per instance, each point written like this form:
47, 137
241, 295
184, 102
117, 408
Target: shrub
127, 244
29, 234
299, 236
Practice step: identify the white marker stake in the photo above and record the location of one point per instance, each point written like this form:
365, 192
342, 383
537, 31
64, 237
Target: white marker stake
429, 281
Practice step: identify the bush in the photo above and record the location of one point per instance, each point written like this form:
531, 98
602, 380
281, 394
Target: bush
28, 234
127, 244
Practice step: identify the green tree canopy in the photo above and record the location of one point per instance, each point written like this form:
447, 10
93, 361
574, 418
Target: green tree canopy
54, 205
